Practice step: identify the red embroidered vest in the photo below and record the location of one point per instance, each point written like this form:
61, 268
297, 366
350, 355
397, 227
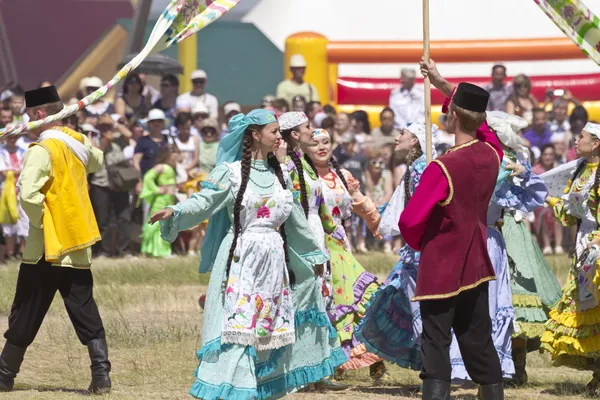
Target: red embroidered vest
454, 255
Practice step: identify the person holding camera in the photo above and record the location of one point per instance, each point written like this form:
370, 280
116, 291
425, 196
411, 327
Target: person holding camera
110, 187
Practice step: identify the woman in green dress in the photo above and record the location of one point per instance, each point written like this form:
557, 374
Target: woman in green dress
158, 189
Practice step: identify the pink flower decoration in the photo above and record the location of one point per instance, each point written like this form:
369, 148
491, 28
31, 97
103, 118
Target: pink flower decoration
263, 212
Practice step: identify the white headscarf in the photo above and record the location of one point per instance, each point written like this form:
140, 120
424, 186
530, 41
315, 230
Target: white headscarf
593, 129
391, 215
507, 128
418, 129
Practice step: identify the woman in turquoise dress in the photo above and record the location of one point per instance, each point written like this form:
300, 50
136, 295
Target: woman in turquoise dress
158, 190
267, 332
353, 286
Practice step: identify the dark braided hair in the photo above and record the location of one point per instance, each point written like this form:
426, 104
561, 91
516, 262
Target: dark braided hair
237, 207
274, 164
338, 171
287, 136
246, 165
414, 153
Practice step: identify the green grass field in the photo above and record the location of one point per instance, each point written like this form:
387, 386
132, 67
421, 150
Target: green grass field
154, 327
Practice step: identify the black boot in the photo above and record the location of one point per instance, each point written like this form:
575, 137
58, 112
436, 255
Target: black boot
492, 392
10, 364
100, 367
436, 390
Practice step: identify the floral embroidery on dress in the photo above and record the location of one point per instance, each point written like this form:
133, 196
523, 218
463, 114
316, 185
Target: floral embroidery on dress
258, 306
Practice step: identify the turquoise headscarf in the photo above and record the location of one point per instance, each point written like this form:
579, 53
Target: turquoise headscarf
230, 150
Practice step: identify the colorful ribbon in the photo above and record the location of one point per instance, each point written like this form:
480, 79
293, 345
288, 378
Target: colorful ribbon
180, 20
576, 21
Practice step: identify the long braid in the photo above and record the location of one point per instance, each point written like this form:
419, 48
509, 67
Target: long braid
414, 153
246, 163
595, 194
274, 163
580, 168
338, 171
287, 136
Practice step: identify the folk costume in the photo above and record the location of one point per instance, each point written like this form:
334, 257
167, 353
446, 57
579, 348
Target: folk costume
446, 220
353, 286
571, 335
161, 176
535, 288
391, 327
263, 337
58, 254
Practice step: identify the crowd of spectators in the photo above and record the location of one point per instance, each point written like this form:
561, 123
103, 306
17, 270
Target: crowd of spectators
145, 123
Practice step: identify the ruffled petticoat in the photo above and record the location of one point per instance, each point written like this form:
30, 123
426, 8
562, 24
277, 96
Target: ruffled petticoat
391, 327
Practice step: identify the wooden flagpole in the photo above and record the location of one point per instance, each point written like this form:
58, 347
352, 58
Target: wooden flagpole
427, 82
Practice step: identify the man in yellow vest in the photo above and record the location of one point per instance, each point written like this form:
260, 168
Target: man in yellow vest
58, 256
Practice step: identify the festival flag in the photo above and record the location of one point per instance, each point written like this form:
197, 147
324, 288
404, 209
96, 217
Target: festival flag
576, 21
180, 20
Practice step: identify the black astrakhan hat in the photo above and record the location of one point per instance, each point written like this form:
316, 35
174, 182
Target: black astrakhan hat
41, 96
471, 97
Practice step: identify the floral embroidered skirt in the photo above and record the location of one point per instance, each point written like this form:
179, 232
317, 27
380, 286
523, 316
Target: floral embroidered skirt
353, 288
245, 372
391, 327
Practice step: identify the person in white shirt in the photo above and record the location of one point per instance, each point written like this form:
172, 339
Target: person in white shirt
407, 101
199, 96
11, 159
291, 88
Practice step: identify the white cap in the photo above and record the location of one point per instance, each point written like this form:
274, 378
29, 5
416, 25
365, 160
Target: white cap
297, 61
593, 129
156, 114
94, 81
199, 74
230, 107
183, 102
83, 83
88, 128
318, 119
291, 120
199, 108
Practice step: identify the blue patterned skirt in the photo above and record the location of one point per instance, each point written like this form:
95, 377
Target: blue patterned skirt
391, 327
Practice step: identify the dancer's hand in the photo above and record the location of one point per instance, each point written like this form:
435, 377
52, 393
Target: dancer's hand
353, 184
281, 152
429, 69
517, 169
594, 242
161, 215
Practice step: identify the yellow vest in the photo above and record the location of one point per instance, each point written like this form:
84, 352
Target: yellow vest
69, 220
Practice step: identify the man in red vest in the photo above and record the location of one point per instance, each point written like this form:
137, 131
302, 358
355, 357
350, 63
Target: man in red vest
446, 220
